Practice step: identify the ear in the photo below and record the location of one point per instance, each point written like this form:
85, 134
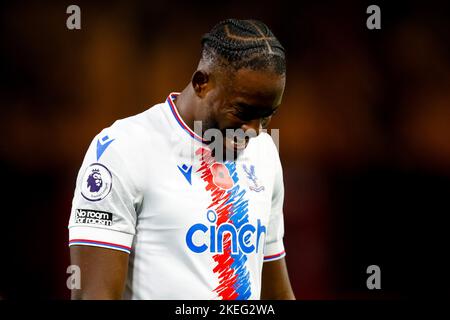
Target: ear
201, 83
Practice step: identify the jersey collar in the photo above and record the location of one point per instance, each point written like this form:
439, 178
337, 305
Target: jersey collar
179, 120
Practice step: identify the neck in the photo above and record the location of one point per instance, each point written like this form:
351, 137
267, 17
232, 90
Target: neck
187, 107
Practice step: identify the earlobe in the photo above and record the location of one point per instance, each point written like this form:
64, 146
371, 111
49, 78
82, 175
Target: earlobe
200, 81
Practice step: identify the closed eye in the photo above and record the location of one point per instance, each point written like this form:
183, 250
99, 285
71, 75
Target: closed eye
248, 113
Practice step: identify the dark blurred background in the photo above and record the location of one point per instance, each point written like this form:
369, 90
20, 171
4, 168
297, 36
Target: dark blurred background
364, 131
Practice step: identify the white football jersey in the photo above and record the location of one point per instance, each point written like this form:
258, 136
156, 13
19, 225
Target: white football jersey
194, 228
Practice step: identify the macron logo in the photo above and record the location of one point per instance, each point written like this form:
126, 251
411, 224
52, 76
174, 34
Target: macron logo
186, 171
102, 144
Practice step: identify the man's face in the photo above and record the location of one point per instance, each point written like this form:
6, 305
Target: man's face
244, 100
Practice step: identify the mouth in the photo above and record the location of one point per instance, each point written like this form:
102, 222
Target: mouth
236, 144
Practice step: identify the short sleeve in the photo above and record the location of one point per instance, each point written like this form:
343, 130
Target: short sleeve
104, 205
274, 247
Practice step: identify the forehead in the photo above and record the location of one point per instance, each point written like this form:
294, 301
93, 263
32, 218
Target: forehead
256, 87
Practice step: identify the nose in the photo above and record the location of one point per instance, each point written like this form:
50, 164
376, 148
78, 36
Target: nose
252, 128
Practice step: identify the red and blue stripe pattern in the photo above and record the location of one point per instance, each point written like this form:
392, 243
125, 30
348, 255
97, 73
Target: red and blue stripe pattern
231, 207
100, 244
180, 121
275, 256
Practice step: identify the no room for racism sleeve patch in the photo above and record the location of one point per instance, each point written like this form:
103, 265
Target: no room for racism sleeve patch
96, 217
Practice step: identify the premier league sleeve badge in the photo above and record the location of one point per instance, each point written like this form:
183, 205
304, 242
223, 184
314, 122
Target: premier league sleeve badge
96, 183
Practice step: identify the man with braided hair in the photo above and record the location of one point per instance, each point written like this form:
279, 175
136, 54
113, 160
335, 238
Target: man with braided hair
184, 223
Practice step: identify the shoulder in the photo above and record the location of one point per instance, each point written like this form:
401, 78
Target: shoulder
132, 132
138, 126
267, 140
268, 145
127, 141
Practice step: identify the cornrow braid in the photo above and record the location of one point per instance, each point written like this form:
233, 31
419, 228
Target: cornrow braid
244, 43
